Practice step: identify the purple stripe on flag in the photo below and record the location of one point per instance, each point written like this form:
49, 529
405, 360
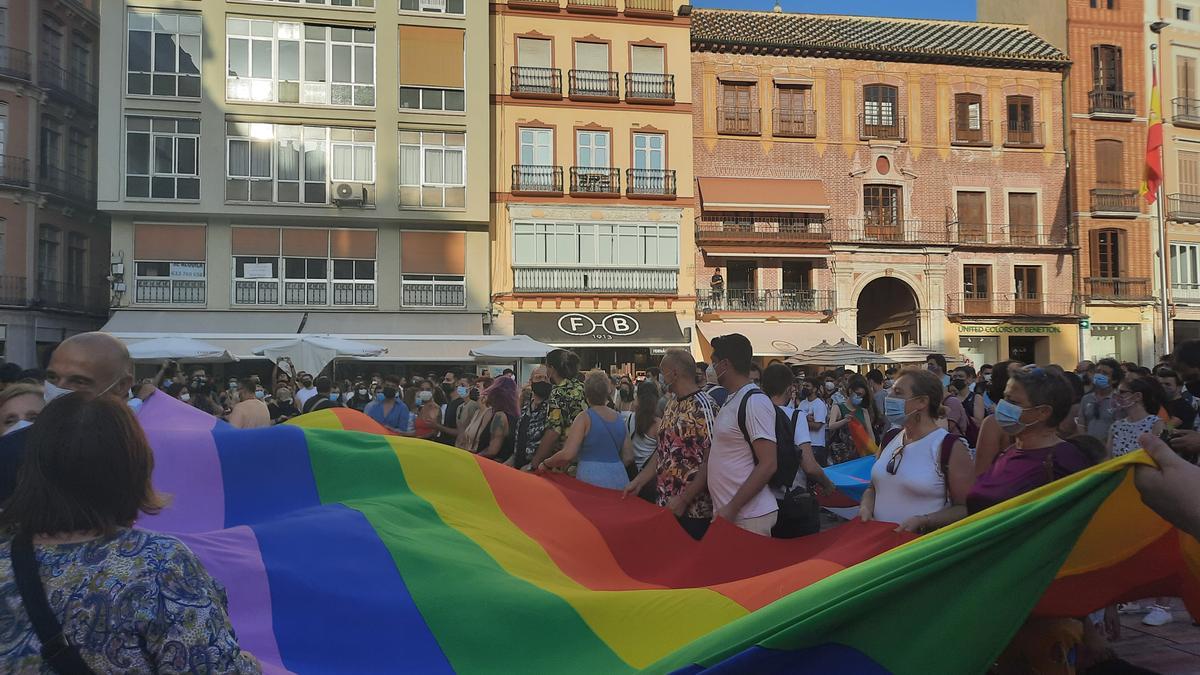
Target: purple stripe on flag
232, 557
186, 466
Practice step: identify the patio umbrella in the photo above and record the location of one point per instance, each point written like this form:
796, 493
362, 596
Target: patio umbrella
311, 353
915, 353
841, 354
518, 349
180, 349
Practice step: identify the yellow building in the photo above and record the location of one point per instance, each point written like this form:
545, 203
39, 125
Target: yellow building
592, 188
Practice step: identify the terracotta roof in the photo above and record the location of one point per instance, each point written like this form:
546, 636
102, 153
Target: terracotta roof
838, 36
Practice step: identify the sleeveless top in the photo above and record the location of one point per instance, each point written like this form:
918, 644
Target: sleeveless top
604, 440
1016, 472
1125, 434
918, 486
643, 446
485, 439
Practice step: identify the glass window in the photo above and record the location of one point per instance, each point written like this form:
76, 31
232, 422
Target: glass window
162, 158
163, 54
432, 169
432, 6
608, 245
289, 164
285, 62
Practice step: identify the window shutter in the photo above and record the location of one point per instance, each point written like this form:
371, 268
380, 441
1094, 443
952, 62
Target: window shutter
433, 57
1109, 163
533, 53
1189, 172
1097, 68
972, 208
1185, 72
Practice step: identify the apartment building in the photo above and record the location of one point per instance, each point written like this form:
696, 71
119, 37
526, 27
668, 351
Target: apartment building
592, 181
53, 242
1107, 107
906, 188
277, 168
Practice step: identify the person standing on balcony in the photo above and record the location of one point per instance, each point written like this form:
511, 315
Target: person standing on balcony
717, 284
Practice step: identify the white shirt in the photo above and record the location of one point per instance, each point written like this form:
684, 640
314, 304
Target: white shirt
918, 488
819, 412
731, 461
303, 394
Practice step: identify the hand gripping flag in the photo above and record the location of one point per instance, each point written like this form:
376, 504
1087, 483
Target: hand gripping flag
1152, 178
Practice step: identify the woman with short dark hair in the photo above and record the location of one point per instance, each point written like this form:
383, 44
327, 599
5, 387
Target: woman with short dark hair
125, 600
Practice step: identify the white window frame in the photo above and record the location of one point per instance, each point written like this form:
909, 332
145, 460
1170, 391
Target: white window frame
591, 146
428, 285
171, 280
175, 175
424, 151
597, 244
444, 7
258, 283
197, 37
1185, 268
244, 132
648, 151
354, 147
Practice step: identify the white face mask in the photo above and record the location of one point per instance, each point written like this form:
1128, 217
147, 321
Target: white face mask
20, 424
185, 397
52, 391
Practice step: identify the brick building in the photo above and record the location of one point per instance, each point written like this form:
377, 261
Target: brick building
1107, 107
53, 243
912, 190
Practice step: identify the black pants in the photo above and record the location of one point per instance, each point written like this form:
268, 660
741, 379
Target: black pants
695, 527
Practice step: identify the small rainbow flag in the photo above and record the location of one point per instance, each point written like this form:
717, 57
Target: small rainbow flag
347, 550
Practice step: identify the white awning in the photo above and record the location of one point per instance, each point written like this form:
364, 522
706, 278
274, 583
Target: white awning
775, 339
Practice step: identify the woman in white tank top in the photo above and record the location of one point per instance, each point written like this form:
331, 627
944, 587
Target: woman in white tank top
908, 483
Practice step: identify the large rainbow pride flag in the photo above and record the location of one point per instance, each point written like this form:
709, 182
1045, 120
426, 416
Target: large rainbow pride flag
347, 550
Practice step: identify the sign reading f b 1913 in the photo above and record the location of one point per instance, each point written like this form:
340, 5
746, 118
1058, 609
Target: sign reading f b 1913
611, 325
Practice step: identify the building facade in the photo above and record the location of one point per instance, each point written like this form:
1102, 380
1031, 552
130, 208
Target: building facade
1107, 107
341, 184
592, 194
53, 242
906, 191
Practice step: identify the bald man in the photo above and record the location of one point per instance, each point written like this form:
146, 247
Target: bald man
91, 364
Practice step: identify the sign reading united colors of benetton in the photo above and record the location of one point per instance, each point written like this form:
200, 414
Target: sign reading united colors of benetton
601, 328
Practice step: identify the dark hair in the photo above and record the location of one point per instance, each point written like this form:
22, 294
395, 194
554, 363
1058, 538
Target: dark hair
1045, 388
564, 362
986, 365
1091, 447
875, 376
857, 381
323, 385
892, 370
921, 382
175, 389
33, 374
1000, 371
736, 349
1151, 391
87, 468
754, 367
9, 373
393, 380
776, 379
647, 407
1076, 383
1187, 353
1143, 371
1168, 373
968, 370
938, 359
1118, 373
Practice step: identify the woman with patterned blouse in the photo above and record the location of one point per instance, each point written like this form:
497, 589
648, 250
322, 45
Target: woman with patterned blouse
532, 423
565, 403
130, 601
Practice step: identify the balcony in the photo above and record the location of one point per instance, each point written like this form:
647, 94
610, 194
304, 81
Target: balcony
964, 133
657, 281
12, 292
736, 121
657, 9
1118, 288
750, 300
14, 172
1183, 293
1011, 304
1187, 112
993, 235
1023, 135
1111, 104
551, 5
788, 123
858, 230
68, 86
67, 186
592, 6
539, 180
650, 183
587, 180
527, 82
882, 127
1183, 208
752, 232
433, 293
169, 291
14, 64
1115, 203
594, 85
72, 297
654, 88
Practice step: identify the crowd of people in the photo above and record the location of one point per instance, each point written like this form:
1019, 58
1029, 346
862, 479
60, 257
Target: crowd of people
707, 441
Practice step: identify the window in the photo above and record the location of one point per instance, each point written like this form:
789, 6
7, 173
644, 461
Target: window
49, 148
1185, 79
972, 217
255, 280
590, 76
536, 171
1183, 13
164, 54
596, 245
1185, 270
75, 272
169, 282
1022, 217
650, 60
1110, 163
1108, 254
433, 266
291, 164
1106, 4
879, 105
432, 70
797, 275
737, 114
793, 98
649, 151
968, 114
52, 41
1106, 68
78, 154
1028, 287
977, 282
1189, 173
3, 138
432, 6
1021, 130
534, 53
49, 241
592, 149
882, 206
81, 57
300, 63
432, 169
161, 158
4, 21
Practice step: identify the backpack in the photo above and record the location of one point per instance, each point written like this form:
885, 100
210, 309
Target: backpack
943, 457
787, 457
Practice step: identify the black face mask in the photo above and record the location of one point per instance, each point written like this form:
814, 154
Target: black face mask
447, 389
306, 383
389, 392
541, 389
474, 395
1193, 387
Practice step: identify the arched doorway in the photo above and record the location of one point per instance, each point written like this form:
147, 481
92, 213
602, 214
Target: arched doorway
887, 315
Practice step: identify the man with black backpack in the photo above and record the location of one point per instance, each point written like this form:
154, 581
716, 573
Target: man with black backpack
743, 458
799, 513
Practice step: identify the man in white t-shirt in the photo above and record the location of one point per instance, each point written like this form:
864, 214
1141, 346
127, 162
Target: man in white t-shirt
738, 471
306, 390
816, 412
777, 381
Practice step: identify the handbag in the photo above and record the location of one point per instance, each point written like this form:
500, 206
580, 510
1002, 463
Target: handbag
62, 656
799, 515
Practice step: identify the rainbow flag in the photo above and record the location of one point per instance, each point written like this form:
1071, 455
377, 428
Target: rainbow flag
347, 550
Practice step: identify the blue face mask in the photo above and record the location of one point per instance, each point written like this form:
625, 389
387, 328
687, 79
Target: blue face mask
1100, 380
1008, 416
379, 396
135, 404
894, 407
333, 397
461, 391
856, 400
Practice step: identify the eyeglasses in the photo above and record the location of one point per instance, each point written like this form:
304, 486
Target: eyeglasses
893, 464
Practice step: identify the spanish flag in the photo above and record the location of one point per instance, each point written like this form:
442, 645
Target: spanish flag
1154, 140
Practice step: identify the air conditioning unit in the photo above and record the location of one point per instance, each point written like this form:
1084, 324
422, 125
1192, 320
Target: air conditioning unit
349, 194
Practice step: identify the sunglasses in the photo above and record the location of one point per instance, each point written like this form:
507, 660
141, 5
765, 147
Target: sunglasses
893, 464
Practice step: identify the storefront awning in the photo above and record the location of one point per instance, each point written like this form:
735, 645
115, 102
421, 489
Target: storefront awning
241, 332
775, 339
601, 329
763, 194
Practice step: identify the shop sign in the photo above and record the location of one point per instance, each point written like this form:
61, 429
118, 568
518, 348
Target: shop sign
605, 328
1005, 329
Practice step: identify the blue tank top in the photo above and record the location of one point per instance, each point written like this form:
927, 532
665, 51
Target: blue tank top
604, 439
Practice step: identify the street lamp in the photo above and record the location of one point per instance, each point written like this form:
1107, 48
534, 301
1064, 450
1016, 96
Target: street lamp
1158, 26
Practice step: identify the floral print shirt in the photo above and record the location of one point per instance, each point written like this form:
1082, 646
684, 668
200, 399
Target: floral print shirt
565, 403
684, 436
135, 602
529, 430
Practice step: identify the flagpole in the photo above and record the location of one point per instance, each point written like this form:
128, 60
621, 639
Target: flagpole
1163, 247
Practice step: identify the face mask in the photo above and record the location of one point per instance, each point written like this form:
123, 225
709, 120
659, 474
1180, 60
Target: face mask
461, 391
541, 389
1008, 415
185, 397
53, 391
856, 400
379, 396
987, 378
945, 381
806, 392
389, 392
233, 384
887, 384
830, 386
135, 404
362, 392
893, 407
260, 394
1100, 380
474, 395
18, 425
286, 400
306, 383
425, 397
334, 397
710, 374
838, 397
1123, 402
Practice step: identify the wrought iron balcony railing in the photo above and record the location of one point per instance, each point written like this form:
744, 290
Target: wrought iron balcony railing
777, 300
1183, 208
537, 179
74, 88
882, 127
650, 182
1018, 134
969, 132
1118, 288
738, 121
1187, 112
1111, 103
595, 181
791, 123
14, 172
1012, 304
545, 279
535, 82
594, 84
649, 87
751, 230
890, 231
1115, 201
15, 63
